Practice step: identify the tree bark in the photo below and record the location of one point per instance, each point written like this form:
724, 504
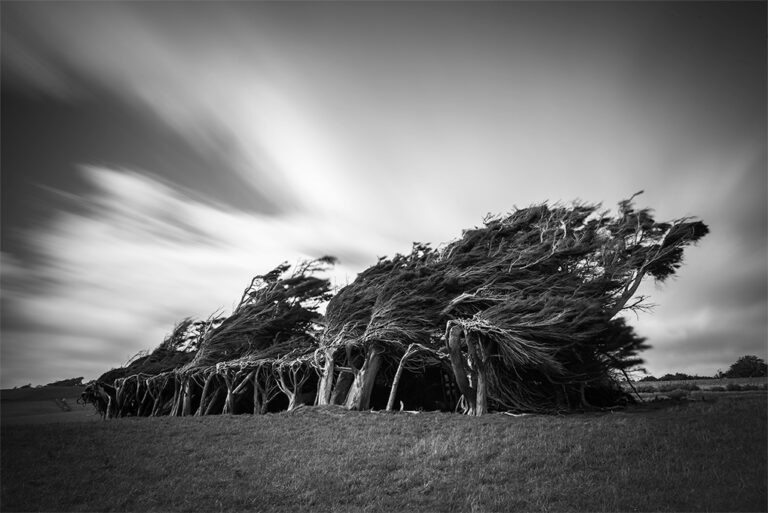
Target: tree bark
229, 403
243, 383
176, 405
257, 393
119, 397
290, 394
477, 356
341, 389
186, 409
453, 340
398, 375
146, 402
204, 395
359, 397
325, 387
156, 405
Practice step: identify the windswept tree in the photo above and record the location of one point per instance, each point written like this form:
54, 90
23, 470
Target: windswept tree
277, 307
524, 313
529, 307
201, 364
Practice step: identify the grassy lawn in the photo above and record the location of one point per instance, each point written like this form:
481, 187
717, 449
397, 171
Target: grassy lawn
698, 456
43, 406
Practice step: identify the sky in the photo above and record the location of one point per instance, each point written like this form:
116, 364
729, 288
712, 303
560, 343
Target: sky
157, 155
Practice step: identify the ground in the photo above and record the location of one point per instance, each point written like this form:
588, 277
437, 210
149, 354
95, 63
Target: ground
708, 454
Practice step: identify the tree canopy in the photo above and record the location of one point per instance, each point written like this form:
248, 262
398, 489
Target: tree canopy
536, 296
748, 366
524, 312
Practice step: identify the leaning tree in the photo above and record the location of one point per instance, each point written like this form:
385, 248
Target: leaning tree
524, 313
263, 347
526, 308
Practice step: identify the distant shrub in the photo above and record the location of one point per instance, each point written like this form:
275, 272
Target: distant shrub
71, 382
733, 387
747, 367
677, 394
764, 386
717, 389
749, 387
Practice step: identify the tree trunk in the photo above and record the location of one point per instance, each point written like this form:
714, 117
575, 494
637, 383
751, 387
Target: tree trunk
286, 390
119, 397
257, 394
325, 387
204, 395
477, 355
453, 340
398, 375
157, 404
359, 397
213, 402
146, 402
583, 396
229, 403
294, 401
176, 407
186, 409
341, 390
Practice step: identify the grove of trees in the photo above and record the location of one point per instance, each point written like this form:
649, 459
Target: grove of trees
524, 313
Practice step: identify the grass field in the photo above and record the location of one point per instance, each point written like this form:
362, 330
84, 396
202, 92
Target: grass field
43, 406
687, 456
704, 384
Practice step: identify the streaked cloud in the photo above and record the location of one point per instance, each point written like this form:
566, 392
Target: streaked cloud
137, 256
366, 127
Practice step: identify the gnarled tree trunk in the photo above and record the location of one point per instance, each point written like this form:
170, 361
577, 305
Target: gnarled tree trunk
229, 403
398, 375
187, 391
325, 386
478, 358
204, 395
461, 373
359, 397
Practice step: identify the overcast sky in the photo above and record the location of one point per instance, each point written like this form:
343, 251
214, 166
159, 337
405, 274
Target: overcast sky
156, 155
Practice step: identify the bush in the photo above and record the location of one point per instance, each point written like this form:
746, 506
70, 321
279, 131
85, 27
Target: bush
717, 389
677, 394
733, 387
749, 387
747, 367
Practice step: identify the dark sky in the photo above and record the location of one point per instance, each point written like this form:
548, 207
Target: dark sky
155, 155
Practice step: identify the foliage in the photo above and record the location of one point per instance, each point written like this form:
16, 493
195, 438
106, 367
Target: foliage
538, 292
524, 311
748, 367
277, 307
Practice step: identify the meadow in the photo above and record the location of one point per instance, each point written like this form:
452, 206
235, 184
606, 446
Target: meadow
707, 455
